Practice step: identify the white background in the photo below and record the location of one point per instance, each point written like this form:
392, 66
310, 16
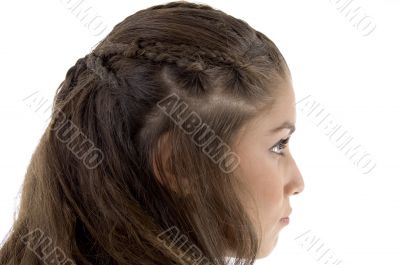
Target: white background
351, 214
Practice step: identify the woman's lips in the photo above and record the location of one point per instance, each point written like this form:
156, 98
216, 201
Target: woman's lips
284, 220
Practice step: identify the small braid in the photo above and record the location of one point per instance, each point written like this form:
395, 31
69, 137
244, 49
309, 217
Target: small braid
73, 73
183, 55
95, 64
178, 55
189, 58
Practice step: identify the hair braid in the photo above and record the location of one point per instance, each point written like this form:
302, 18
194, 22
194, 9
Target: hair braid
96, 64
191, 58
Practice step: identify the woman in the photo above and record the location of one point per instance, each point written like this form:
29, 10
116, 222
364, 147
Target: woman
167, 145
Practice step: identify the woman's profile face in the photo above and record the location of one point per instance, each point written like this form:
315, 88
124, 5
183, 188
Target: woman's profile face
267, 169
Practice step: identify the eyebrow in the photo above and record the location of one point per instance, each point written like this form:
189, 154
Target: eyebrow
285, 125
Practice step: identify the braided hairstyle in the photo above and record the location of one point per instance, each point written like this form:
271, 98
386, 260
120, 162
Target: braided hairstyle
151, 175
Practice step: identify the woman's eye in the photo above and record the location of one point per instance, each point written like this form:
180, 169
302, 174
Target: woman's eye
278, 147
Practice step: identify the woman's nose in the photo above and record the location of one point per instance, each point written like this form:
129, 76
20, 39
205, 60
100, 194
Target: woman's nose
296, 182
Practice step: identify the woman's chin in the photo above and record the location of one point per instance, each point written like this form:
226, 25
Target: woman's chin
266, 248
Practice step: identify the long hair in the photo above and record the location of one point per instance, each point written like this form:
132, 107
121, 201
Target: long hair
137, 164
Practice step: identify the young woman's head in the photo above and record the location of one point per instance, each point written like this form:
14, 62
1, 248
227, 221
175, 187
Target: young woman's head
165, 146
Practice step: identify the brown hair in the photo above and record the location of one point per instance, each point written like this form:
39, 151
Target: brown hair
124, 166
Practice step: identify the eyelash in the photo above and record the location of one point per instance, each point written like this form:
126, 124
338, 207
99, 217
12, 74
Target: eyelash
281, 144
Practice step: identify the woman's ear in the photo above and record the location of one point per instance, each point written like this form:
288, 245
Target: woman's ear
166, 177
